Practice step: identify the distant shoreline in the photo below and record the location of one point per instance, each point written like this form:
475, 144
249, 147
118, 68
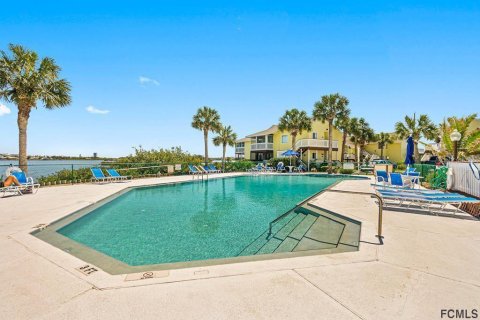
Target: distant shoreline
62, 159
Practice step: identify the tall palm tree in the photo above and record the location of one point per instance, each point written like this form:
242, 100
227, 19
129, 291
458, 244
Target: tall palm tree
383, 139
329, 108
206, 119
353, 130
362, 135
469, 143
295, 122
225, 137
418, 128
24, 81
343, 123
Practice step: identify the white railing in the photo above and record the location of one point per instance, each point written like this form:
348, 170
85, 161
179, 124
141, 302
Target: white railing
240, 150
318, 143
261, 146
465, 178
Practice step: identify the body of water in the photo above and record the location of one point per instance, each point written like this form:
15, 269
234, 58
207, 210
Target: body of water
39, 168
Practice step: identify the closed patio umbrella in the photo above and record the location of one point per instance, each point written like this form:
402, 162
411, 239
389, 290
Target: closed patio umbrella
409, 159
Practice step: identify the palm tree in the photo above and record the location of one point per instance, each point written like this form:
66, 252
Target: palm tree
353, 129
206, 119
225, 137
362, 134
383, 140
418, 128
295, 122
469, 144
25, 81
329, 108
343, 123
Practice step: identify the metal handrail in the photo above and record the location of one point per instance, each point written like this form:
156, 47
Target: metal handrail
298, 205
380, 208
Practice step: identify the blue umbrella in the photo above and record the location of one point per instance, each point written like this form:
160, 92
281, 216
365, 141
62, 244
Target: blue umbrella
290, 153
410, 150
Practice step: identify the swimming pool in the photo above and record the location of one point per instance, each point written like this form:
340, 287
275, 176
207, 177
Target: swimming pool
197, 220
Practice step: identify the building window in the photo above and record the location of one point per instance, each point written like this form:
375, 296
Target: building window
285, 138
270, 138
261, 139
314, 156
315, 135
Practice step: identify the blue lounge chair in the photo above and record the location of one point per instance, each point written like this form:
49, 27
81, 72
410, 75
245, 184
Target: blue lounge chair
258, 168
381, 176
98, 175
213, 168
208, 169
410, 170
280, 167
301, 168
26, 182
193, 170
115, 175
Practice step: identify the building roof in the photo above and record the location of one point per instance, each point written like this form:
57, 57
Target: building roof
270, 130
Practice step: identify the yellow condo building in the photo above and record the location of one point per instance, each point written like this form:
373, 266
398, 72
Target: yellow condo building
312, 145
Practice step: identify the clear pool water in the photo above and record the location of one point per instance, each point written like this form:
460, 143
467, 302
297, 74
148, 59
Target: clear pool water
191, 221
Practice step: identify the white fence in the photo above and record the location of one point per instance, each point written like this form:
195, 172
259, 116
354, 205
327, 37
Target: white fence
465, 178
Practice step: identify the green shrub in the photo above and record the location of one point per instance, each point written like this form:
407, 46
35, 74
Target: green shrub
322, 169
238, 166
401, 166
346, 171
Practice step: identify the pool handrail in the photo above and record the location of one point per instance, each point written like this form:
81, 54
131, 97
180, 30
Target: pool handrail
373, 195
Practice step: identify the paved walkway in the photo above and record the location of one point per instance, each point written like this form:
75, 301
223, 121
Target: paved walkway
426, 264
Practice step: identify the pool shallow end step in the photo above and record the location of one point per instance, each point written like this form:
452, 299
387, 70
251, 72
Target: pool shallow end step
308, 228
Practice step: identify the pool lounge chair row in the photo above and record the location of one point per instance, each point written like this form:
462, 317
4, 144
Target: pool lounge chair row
207, 169
280, 168
433, 201
113, 175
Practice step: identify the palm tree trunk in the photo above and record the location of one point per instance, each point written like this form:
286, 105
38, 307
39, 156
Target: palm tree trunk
415, 152
294, 140
330, 126
381, 153
205, 139
344, 143
22, 122
223, 157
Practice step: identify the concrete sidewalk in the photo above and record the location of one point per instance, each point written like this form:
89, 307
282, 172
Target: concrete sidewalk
426, 264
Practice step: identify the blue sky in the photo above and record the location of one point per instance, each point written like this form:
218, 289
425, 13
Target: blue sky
251, 60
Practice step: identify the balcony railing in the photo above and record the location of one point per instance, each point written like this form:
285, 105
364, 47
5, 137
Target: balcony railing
317, 143
261, 146
240, 150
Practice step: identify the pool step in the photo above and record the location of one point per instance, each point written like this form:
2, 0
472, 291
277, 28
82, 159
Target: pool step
259, 242
308, 228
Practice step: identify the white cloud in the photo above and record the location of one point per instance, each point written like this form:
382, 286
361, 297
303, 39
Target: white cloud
94, 110
4, 110
145, 80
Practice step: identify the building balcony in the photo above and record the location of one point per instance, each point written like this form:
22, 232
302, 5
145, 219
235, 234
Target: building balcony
240, 150
315, 143
261, 146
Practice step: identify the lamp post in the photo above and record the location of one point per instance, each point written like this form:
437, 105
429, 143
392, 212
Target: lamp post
455, 136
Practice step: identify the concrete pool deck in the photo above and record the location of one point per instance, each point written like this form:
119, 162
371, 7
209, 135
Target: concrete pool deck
426, 264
